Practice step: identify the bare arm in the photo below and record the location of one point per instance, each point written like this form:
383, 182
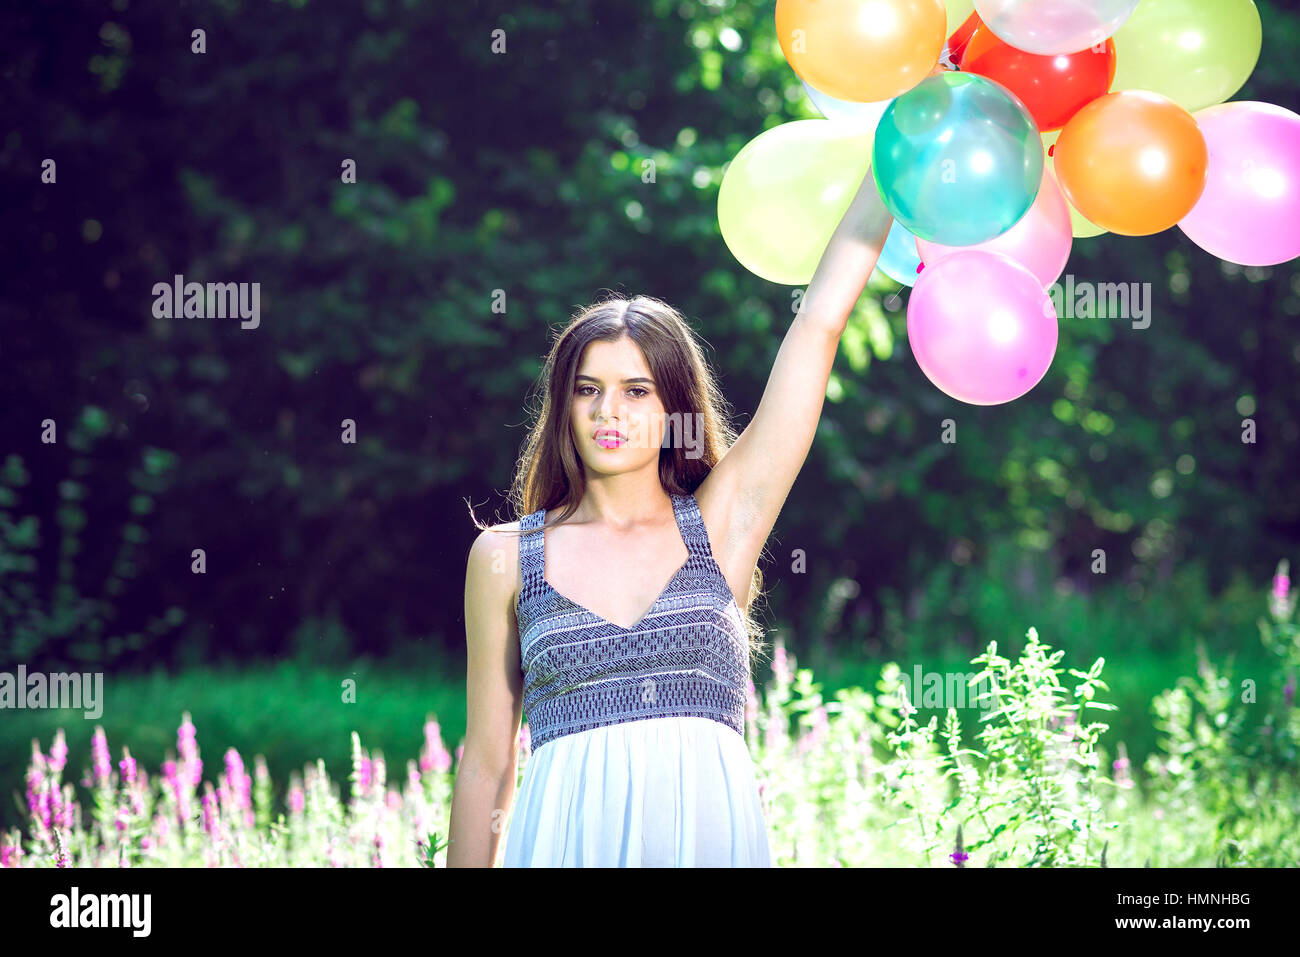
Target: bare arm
485, 779
754, 477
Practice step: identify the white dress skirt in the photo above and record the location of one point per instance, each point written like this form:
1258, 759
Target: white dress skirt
656, 792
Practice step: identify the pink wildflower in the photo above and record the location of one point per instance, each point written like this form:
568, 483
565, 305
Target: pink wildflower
781, 669
237, 780
209, 812
1281, 600
103, 763
58, 809
434, 756
188, 746
58, 753
127, 766
36, 787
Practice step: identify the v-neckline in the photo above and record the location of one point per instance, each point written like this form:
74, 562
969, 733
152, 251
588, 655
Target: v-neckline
662, 592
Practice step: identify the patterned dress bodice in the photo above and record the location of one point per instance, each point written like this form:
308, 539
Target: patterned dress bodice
687, 656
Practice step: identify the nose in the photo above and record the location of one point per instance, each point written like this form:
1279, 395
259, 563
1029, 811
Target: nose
608, 402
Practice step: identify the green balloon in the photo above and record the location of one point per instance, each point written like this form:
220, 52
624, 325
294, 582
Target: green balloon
786, 191
957, 159
1196, 52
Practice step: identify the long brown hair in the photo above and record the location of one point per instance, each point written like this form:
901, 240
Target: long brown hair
549, 472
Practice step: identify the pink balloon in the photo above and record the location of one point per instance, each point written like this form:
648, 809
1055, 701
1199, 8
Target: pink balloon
1041, 241
981, 327
1249, 213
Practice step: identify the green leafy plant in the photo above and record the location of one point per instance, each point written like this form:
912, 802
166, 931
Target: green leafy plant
68, 625
1229, 759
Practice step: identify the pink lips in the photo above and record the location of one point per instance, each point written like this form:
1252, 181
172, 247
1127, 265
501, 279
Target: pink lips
609, 439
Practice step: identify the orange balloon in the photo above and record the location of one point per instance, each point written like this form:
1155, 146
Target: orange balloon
861, 50
1133, 162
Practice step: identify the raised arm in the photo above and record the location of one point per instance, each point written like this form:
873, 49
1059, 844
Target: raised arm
756, 474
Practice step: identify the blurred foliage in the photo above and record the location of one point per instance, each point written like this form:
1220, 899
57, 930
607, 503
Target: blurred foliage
58, 623
527, 172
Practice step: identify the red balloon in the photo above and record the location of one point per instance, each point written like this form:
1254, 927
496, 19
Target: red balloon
961, 36
1054, 87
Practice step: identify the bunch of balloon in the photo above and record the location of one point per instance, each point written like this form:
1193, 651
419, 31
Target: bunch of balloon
899, 260
1055, 120
959, 163
1164, 148
1053, 87
1109, 86
787, 189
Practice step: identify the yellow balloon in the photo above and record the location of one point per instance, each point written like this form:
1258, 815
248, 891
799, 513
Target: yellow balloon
1083, 229
1196, 52
958, 11
785, 192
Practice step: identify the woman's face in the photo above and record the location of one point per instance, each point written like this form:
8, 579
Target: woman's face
615, 391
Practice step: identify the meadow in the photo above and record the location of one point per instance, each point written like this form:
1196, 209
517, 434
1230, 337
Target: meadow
1024, 773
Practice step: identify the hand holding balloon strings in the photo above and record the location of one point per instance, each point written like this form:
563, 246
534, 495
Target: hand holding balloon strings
1065, 119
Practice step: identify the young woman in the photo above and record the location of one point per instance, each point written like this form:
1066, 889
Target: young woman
615, 613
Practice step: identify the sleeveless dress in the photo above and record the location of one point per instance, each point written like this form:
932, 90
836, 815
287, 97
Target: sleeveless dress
637, 734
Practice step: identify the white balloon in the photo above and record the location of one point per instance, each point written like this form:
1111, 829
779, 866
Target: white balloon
1049, 27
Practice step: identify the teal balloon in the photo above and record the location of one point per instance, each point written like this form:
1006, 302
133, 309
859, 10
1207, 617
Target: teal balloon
898, 259
958, 159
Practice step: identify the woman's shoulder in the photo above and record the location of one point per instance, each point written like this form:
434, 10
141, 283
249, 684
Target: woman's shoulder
496, 548
492, 575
